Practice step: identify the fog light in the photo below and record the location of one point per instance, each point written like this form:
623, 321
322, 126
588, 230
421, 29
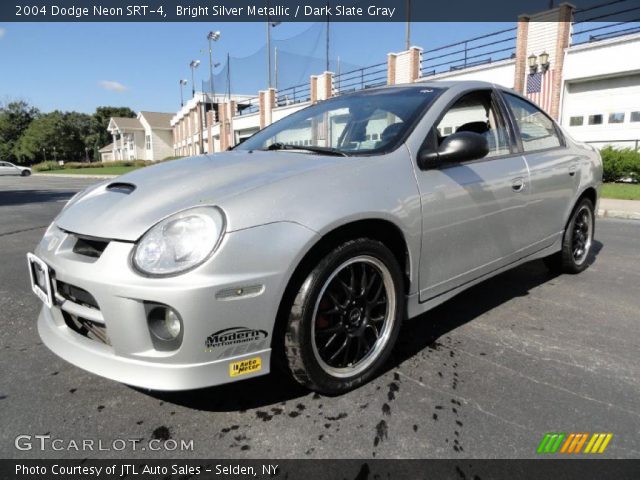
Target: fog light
164, 322
172, 322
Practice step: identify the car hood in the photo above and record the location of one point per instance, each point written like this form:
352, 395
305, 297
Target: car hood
126, 207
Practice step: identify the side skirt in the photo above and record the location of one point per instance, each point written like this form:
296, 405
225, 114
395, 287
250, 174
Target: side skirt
415, 307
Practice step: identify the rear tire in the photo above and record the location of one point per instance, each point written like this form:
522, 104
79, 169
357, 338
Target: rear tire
345, 317
576, 241
25, 173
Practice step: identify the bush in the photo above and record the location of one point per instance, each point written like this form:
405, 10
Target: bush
46, 166
620, 163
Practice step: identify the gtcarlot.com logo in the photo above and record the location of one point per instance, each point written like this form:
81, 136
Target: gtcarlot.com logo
574, 443
47, 442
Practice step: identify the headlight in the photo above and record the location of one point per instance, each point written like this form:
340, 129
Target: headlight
179, 242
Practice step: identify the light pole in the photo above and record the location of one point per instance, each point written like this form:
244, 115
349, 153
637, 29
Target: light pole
183, 82
55, 155
212, 37
269, 25
86, 154
44, 153
408, 29
194, 64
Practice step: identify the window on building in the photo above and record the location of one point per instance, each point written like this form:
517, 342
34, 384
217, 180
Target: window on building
576, 121
635, 117
595, 119
148, 141
616, 118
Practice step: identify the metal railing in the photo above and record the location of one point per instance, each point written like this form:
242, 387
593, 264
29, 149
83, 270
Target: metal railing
360, 78
484, 49
296, 94
588, 22
251, 105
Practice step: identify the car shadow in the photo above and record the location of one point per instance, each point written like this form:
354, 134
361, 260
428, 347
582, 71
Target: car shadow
23, 197
416, 334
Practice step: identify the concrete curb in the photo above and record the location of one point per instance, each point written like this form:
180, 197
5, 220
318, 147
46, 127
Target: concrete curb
615, 208
71, 175
618, 214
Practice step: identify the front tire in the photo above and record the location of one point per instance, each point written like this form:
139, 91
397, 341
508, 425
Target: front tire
576, 241
345, 318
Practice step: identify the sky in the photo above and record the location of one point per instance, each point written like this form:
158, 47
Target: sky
79, 66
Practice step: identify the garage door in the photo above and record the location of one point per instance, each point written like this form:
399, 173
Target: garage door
604, 111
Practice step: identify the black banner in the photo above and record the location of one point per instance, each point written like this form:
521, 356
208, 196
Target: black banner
295, 11
321, 469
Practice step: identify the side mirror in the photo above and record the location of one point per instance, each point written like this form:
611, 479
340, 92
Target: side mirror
457, 147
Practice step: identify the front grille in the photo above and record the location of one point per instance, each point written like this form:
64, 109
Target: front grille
76, 295
87, 328
90, 247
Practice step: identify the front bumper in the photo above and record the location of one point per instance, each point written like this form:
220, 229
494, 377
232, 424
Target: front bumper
257, 262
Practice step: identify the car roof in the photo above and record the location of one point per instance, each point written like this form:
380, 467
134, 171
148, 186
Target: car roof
458, 85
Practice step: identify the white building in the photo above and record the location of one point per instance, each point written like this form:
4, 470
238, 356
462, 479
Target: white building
149, 136
601, 95
203, 123
585, 74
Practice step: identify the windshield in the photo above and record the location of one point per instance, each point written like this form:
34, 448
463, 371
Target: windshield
361, 123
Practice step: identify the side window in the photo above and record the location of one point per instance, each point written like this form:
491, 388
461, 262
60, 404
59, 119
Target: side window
536, 129
475, 112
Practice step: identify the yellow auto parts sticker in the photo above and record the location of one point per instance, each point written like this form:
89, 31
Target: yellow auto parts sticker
243, 367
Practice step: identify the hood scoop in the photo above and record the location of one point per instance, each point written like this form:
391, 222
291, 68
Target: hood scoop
121, 187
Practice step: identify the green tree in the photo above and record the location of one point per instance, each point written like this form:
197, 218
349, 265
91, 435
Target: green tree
15, 117
57, 132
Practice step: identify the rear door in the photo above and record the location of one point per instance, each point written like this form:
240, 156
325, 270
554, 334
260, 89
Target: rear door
472, 211
553, 170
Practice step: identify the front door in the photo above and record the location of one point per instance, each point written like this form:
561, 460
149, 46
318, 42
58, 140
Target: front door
5, 169
473, 211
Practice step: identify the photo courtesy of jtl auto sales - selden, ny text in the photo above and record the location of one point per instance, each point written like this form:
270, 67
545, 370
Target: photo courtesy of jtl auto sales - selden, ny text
320, 240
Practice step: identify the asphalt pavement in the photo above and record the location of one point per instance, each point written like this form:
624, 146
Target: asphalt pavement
486, 375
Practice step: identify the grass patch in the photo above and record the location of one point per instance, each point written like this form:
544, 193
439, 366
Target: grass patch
621, 191
117, 170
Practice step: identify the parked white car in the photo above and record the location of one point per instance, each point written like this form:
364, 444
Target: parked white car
7, 168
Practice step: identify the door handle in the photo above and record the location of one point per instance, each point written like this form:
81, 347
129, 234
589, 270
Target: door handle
572, 169
517, 184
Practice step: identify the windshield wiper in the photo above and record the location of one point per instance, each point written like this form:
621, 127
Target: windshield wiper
309, 148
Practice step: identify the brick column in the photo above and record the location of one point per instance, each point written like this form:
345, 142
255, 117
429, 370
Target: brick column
404, 67
226, 111
313, 91
392, 59
415, 58
266, 104
211, 118
199, 123
232, 110
324, 86
224, 126
521, 53
565, 13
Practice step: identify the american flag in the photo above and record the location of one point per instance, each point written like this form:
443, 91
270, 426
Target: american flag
539, 88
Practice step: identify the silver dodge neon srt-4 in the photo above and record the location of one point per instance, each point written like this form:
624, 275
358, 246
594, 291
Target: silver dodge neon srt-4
311, 241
